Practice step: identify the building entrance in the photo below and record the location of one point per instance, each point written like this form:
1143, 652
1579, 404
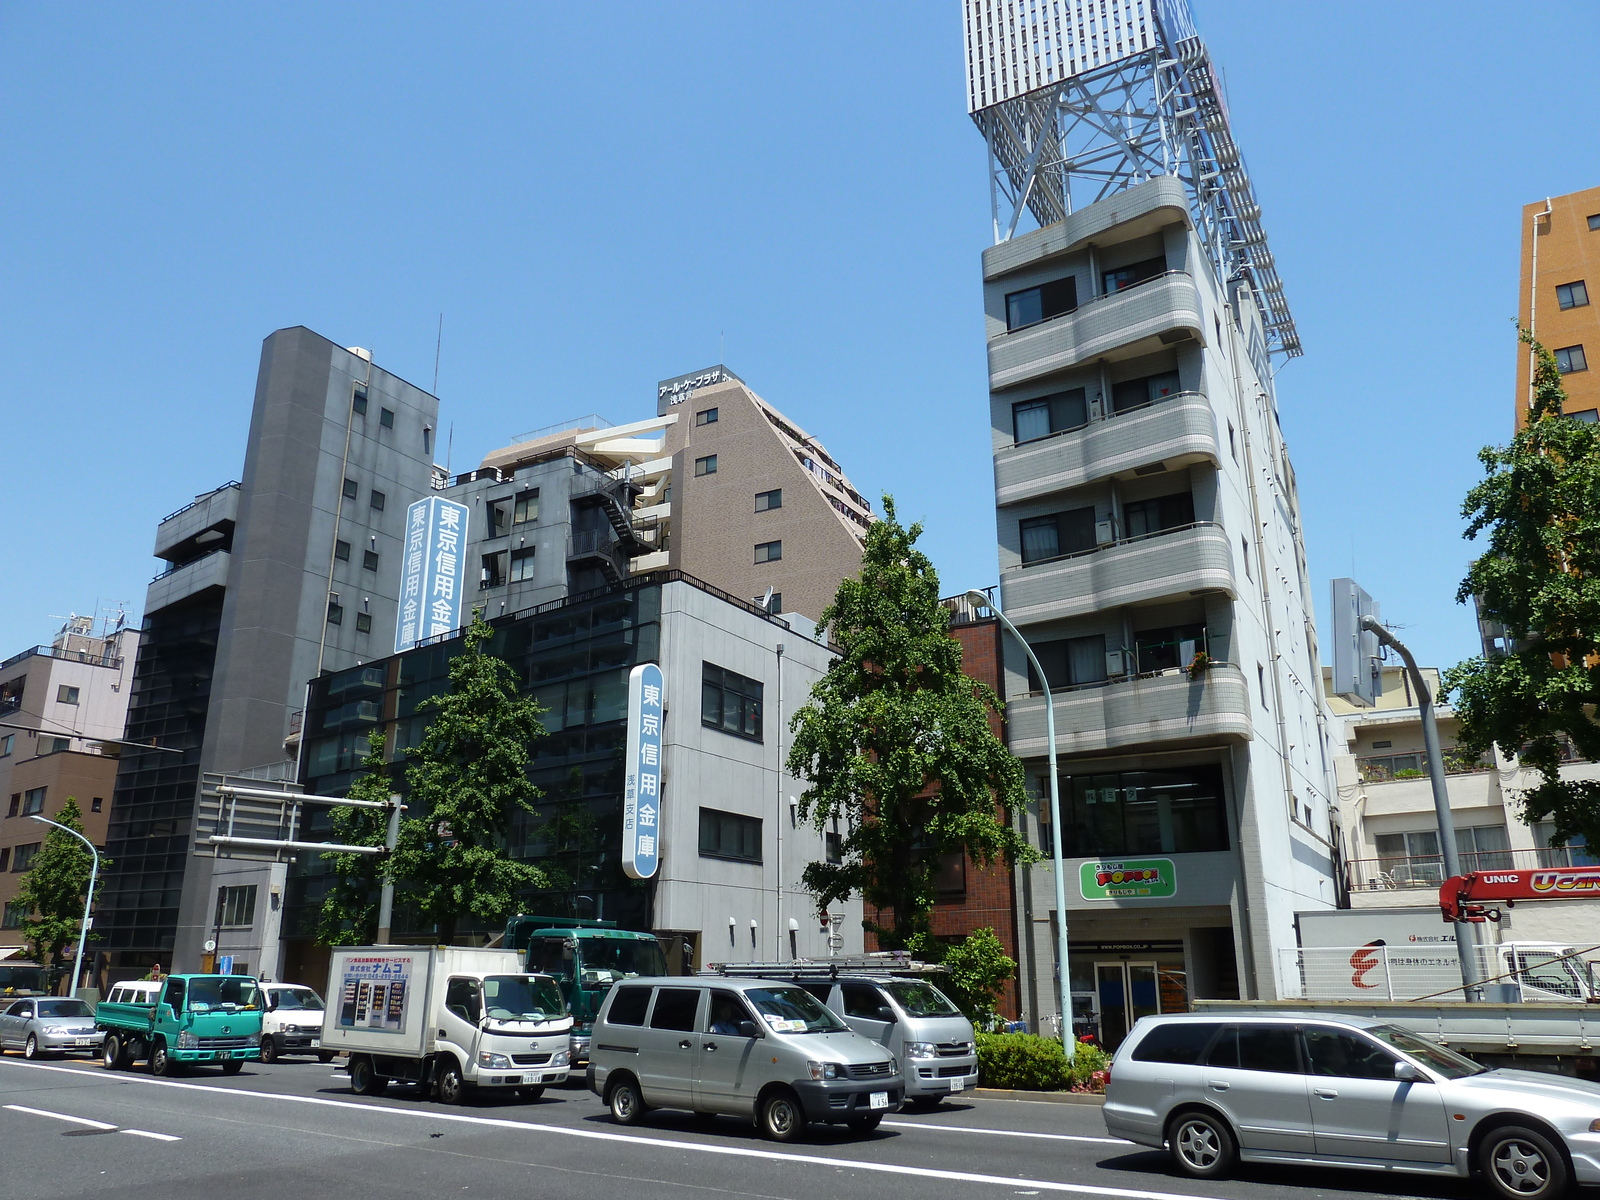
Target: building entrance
1124, 991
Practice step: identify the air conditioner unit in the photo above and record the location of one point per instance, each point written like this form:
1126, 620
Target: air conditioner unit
1102, 533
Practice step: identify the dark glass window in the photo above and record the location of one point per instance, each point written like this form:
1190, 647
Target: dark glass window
386, 417
1570, 359
1258, 1048
1035, 304
1347, 1056
341, 550
706, 465
369, 560
1166, 649
1594, 222
1040, 417
1572, 295
378, 500
706, 416
1069, 662
335, 612
1121, 278
769, 500
1176, 811
236, 905
1159, 512
350, 489
464, 998
769, 551
363, 622
729, 835
1176, 1042
628, 1005
833, 846
675, 1009
358, 400
864, 1000
1057, 534
730, 702
522, 564
1136, 393
498, 515
527, 507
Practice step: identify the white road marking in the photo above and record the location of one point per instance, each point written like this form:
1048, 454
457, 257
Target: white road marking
1049, 1137
660, 1144
160, 1137
44, 1112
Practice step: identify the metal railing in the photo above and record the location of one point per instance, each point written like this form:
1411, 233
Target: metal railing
78, 656
1427, 870
583, 424
232, 483
1114, 543
1424, 970
1112, 680
184, 566
1386, 768
1108, 415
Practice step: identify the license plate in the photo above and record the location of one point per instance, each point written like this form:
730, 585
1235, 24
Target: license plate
957, 1084
83, 1041
879, 1100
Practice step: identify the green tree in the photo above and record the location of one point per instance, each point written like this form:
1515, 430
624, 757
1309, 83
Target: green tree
895, 742
468, 780
349, 914
53, 891
977, 970
1539, 506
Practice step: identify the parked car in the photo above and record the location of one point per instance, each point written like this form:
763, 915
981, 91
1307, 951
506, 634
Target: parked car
756, 1048
48, 1025
292, 1023
1350, 1092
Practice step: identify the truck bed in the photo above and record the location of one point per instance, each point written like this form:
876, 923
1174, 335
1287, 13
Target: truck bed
138, 1018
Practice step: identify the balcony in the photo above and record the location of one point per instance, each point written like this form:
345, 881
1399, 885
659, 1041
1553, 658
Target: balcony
1173, 562
215, 511
1426, 872
179, 583
1390, 768
1159, 312
1177, 430
1133, 712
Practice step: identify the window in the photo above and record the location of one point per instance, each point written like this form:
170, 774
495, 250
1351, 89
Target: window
729, 835
706, 465
493, 572
11, 693
1594, 222
730, 702
769, 551
1258, 1048
1121, 278
1570, 359
526, 507
774, 604
1342, 1055
1159, 512
766, 501
464, 999
1059, 533
16, 804
97, 804
1035, 304
1587, 416
57, 745
1178, 810
1572, 295
833, 846
66, 695
15, 915
427, 439
377, 500
386, 417
369, 560
675, 1009
498, 514
706, 416
6, 742
1244, 556
341, 551
5, 857
628, 1005
350, 489
363, 622
864, 1000
33, 801
1070, 662
1261, 682
728, 1016
358, 400
1233, 443
22, 858
522, 564
1182, 1043
1136, 393
1168, 648
335, 611
1044, 415
236, 905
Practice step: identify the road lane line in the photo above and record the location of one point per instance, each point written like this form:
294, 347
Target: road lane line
145, 1133
1021, 1133
665, 1144
44, 1112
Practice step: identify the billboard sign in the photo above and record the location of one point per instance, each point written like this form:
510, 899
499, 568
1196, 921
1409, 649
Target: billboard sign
372, 991
1128, 879
641, 791
431, 576
1357, 673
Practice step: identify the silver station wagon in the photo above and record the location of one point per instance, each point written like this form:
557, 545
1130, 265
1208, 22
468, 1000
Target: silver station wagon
1347, 1092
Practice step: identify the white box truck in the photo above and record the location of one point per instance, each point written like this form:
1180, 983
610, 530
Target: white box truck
448, 1018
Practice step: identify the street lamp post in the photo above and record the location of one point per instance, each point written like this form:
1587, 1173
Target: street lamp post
1068, 1042
88, 901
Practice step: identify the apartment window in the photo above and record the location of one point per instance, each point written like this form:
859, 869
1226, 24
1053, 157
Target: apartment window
236, 906
1587, 416
23, 857
1178, 811
774, 604
16, 804
369, 560
33, 801
730, 702
526, 507
5, 858
57, 745
1244, 556
1158, 513
1121, 278
1136, 393
1035, 304
377, 500
427, 440
1572, 295
833, 846
335, 610
386, 417
7, 741
1059, 533
493, 573
1594, 222
522, 564
350, 489
766, 501
66, 695
1044, 415
358, 400
1233, 443
1570, 359
341, 550
15, 915
1169, 648
1069, 662
729, 835
11, 693
498, 514
706, 416
363, 622
97, 804
706, 465
768, 551
1261, 682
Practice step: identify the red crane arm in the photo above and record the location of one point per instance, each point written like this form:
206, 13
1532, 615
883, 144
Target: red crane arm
1461, 897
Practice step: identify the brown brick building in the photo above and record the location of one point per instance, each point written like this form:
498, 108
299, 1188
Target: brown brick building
1560, 255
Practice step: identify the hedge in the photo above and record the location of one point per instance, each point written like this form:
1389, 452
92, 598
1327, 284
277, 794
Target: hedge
1028, 1062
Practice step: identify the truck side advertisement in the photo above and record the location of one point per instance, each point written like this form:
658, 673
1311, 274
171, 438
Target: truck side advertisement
372, 991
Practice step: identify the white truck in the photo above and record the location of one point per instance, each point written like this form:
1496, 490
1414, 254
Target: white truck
447, 1018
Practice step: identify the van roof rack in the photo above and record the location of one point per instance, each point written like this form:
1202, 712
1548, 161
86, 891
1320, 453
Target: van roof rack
828, 968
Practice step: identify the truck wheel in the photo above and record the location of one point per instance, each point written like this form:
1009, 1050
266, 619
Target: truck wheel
111, 1053
162, 1063
269, 1050
782, 1118
626, 1102
531, 1093
452, 1087
233, 1066
1522, 1164
325, 1056
364, 1081
1202, 1145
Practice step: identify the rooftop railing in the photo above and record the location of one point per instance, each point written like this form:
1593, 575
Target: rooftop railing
1427, 870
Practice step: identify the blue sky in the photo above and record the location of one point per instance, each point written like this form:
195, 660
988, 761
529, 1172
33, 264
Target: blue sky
595, 205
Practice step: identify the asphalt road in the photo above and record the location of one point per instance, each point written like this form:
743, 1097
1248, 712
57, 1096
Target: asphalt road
294, 1131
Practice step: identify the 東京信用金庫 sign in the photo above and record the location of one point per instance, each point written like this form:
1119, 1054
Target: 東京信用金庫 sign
1127, 879
431, 577
641, 785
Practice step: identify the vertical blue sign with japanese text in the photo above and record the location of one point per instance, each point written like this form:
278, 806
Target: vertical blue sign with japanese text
641, 791
431, 577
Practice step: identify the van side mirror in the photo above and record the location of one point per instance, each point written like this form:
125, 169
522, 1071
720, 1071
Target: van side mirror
748, 1029
1407, 1073
885, 1013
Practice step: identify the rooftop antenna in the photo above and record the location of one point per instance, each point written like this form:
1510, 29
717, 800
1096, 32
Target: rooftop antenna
437, 346
449, 446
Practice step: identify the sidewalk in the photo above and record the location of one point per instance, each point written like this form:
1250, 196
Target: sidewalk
984, 1093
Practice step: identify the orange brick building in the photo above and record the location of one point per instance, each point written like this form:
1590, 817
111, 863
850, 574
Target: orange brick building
1560, 255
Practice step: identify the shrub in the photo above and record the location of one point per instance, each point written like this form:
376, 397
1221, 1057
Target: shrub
1091, 1067
1028, 1062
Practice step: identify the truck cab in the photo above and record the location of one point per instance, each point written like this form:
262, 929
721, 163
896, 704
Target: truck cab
192, 1019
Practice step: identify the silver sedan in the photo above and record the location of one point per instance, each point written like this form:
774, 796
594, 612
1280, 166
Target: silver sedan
47, 1025
1348, 1092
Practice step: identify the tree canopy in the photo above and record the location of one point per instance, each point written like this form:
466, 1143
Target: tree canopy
54, 889
895, 743
349, 914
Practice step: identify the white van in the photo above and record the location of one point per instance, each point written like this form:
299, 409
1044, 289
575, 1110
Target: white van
292, 1023
135, 991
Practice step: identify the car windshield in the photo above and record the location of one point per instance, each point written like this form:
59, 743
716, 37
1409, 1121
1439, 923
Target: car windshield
606, 960
207, 992
921, 999
1436, 1058
793, 1010
64, 1008
21, 980
521, 998
295, 998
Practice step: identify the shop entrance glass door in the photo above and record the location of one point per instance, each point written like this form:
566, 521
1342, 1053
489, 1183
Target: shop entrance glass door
1125, 991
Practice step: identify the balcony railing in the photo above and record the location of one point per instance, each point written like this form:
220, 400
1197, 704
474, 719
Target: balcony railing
1427, 871
78, 656
232, 483
1385, 768
185, 565
1114, 543
1093, 300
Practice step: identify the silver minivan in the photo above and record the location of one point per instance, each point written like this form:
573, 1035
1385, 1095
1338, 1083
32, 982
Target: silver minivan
1349, 1092
757, 1048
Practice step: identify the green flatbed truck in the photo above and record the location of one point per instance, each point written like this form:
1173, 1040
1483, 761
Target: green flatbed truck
214, 1019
